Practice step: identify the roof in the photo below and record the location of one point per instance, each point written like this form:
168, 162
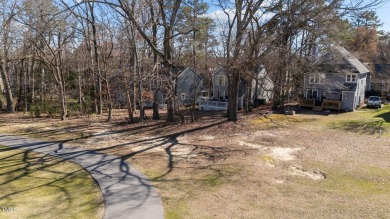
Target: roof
189, 69
176, 70
340, 56
381, 71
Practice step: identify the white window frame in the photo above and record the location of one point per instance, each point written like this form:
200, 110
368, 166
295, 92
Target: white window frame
224, 80
183, 96
352, 78
311, 92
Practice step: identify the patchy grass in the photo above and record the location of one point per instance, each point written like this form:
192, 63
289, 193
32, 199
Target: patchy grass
366, 121
281, 120
42, 186
203, 171
363, 192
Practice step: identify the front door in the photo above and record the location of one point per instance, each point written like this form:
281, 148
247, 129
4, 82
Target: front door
315, 94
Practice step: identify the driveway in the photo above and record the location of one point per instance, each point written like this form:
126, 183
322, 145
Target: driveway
127, 192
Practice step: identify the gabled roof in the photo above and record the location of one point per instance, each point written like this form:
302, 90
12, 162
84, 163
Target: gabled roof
220, 69
340, 56
189, 69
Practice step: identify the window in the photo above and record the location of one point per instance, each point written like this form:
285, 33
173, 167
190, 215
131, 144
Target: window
317, 79
309, 94
183, 96
221, 80
350, 78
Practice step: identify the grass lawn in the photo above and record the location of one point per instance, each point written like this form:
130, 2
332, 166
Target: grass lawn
259, 167
34, 185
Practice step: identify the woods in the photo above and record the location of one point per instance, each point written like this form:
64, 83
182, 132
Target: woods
61, 57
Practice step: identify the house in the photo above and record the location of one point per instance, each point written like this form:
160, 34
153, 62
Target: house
338, 81
380, 78
188, 86
259, 87
262, 85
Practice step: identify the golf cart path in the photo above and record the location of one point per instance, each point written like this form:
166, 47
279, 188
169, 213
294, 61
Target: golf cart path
127, 192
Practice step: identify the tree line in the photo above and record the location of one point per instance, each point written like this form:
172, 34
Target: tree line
60, 56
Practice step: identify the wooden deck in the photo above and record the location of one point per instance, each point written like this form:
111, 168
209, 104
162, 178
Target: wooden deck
331, 104
307, 102
326, 104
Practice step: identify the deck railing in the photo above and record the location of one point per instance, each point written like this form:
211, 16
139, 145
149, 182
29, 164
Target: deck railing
307, 102
331, 104
213, 105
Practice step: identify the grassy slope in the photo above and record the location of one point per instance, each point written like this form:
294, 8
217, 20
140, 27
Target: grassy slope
42, 186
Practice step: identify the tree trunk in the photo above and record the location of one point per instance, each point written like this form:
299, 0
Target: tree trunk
170, 110
61, 85
141, 103
155, 104
281, 74
63, 102
233, 93
7, 87
129, 107
109, 118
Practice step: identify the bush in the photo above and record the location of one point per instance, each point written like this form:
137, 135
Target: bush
50, 107
35, 111
74, 109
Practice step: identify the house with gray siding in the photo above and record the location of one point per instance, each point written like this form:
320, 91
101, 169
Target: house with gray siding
380, 78
188, 85
338, 81
220, 87
259, 87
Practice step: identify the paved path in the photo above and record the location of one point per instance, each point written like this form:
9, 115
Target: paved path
127, 192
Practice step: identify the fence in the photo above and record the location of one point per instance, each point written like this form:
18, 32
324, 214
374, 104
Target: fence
213, 105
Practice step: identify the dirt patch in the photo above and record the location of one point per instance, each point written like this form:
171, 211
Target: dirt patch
284, 154
278, 166
300, 171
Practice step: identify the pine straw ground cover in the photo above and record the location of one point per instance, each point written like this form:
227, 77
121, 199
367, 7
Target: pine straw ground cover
34, 185
264, 166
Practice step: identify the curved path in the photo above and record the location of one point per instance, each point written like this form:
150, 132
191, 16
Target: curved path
127, 192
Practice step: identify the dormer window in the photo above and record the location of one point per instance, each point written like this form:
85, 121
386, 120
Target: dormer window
350, 78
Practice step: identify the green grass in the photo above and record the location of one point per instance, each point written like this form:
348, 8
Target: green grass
42, 186
365, 121
362, 192
362, 182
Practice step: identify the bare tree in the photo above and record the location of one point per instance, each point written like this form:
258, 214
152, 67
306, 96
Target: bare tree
8, 10
53, 34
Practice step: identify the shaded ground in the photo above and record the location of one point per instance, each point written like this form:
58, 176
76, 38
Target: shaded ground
308, 165
35, 185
